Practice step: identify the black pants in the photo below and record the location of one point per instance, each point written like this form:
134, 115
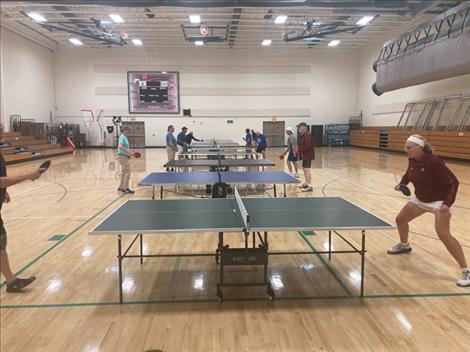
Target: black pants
3, 236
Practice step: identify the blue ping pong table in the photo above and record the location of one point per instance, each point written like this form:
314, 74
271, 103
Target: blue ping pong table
209, 178
250, 216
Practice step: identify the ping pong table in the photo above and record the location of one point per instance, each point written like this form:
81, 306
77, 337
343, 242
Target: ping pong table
204, 178
250, 216
214, 163
218, 143
212, 154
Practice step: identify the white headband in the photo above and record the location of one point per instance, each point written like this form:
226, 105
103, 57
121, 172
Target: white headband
415, 140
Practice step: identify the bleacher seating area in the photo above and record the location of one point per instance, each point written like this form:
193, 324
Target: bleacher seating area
20, 148
450, 144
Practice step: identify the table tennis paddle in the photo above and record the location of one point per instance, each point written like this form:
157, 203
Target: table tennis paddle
137, 155
44, 166
405, 190
281, 156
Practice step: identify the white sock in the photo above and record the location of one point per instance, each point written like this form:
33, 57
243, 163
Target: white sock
465, 270
404, 243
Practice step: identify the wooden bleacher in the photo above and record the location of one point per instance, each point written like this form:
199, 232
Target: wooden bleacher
32, 145
450, 144
368, 137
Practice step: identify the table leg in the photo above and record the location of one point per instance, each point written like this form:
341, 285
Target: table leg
247, 234
329, 245
285, 192
363, 261
220, 247
161, 192
275, 193
120, 266
141, 248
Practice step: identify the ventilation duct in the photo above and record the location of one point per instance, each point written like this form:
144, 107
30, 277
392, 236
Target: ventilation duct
435, 50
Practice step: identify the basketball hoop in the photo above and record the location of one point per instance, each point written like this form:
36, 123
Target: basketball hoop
88, 117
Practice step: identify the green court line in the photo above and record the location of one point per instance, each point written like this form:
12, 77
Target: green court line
182, 301
419, 295
327, 266
308, 233
47, 251
56, 237
116, 303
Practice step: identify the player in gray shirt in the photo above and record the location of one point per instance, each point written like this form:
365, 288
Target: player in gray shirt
292, 157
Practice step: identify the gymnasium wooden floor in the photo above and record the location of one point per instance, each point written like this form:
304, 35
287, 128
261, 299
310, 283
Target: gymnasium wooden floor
411, 303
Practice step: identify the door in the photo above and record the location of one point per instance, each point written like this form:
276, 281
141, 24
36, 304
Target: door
317, 134
274, 131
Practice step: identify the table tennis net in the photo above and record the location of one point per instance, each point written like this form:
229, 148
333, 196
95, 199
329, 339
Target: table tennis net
242, 210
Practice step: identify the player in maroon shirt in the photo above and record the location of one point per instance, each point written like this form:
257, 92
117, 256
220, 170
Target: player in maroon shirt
435, 191
306, 152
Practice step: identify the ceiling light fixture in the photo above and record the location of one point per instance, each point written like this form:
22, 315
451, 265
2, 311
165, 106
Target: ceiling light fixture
334, 42
116, 18
199, 42
137, 41
280, 19
266, 42
365, 20
75, 41
36, 16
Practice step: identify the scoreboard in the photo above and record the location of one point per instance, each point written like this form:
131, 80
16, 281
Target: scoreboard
153, 92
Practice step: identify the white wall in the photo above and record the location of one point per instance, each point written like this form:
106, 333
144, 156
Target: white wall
312, 86
27, 78
387, 109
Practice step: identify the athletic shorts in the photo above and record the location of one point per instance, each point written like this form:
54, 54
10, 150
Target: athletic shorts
260, 149
291, 156
429, 207
306, 164
3, 236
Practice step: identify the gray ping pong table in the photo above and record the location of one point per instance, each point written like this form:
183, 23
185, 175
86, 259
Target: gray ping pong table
214, 163
251, 216
209, 178
215, 142
215, 154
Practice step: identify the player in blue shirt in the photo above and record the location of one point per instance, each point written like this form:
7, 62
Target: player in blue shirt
181, 139
123, 156
171, 147
260, 144
248, 142
253, 139
248, 139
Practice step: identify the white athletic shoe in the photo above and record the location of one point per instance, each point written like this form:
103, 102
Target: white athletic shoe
400, 248
465, 280
307, 189
303, 185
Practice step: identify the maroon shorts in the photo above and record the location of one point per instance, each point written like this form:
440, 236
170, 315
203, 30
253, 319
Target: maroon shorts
306, 164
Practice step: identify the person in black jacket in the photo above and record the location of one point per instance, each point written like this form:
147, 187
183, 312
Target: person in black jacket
13, 283
189, 138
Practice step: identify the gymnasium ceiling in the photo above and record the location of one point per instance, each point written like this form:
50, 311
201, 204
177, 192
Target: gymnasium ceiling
239, 23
